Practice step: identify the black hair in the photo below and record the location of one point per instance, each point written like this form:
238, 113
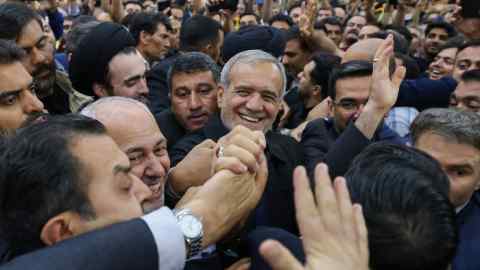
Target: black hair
135, 2
193, 62
332, 20
354, 68
292, 7
257, 18
83, 19
412, 67
294, 34
399, 42
197, 32
404, 196
471, 76
471, 43
281, 18
76, 34
9, 52
148, 22
402, 30
14, 16
451, 32
454, 42
324, 65
40, 178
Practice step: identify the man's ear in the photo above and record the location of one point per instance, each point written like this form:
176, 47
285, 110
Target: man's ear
220, 96
317, 91
100, 90
58, 228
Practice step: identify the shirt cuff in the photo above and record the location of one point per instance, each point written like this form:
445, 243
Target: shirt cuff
168, 239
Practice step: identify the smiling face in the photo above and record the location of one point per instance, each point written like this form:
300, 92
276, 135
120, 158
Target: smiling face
442, 64
253, 96
434, 39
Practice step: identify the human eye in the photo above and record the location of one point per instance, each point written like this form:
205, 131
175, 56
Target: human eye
9, 100
160, 151
181, 93
135, 158
459, 172
473, 104
205, 91
348, 105
463, 65
242, 92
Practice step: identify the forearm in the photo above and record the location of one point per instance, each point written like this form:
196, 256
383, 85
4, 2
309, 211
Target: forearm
369, 120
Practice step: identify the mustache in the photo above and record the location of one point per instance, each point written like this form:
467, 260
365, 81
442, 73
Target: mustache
35, 118
42, 68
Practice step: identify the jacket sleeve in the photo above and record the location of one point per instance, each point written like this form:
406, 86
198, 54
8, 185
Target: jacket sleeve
424, 93
337, 154
158, 88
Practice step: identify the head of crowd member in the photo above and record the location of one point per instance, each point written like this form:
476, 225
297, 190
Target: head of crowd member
436, 34
106, 63
340, 13
18, 101
62, 178
295, 12
252, 84
362, 50
77, 33
349, 89
324, 12
332, 27
249, 18
313, 80
352, 29
417, 40
149, 6
281, 21
67, 24
132, 6
367, 30
134, 129
467, 94
444, 62
453, 138
297, 53
254, 37
468, 58
151, 32
404, 198
176, 14
400, 42
203, 34
193, 82
22, 25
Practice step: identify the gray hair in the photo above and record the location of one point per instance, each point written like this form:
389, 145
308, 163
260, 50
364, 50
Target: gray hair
250, 57
91, 109
460, 126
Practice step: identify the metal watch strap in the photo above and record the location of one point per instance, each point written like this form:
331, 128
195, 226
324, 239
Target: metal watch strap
194, 246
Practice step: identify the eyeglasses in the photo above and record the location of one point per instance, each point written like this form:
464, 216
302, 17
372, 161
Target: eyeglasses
349, 105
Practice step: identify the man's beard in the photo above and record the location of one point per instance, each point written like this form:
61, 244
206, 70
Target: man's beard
44, 85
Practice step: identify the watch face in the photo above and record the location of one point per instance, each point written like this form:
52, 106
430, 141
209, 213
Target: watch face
191, 227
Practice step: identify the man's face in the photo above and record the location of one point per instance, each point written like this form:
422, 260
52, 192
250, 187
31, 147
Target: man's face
281, 25
351, 95
159, 43
127, 77
434, 40
353, 27
334, 32
146, 148
248, 20
253, 97
18, 101
149, 6
176, 14
39, 61
466, 96
367, 31
467, 59
193, 98
323, 13
67, 25
459, 161
295, 14
114, 193
340, 13
294, 57
305, 81
132, 8
442, 64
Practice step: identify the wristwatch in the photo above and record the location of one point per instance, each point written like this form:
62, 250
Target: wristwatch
192, 230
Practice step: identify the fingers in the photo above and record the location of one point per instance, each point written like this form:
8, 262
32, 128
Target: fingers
278, 257
242, 264
261, 178
210, 144
306, 211
345, 208
398, 76
382, 57
362, 233
230, 163
243, 155
326, 198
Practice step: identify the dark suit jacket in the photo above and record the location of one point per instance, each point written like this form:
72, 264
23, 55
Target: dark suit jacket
322, 143
276, 208
123, 246
468, 249
170, 128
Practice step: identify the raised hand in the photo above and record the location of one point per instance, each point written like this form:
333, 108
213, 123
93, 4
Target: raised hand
333, 231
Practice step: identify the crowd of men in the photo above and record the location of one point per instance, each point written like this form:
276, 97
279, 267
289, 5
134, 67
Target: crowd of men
267, 134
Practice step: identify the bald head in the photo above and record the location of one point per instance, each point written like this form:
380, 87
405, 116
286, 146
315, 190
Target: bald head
133, 127
362, 50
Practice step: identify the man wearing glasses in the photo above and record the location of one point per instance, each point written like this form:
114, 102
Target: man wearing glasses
362, 93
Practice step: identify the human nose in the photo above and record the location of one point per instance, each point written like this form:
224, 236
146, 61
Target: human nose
31, 103
255, 103
195, 102
140, 190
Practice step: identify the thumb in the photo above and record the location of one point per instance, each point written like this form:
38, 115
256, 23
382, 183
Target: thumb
398, 76
207, 144
278, 257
